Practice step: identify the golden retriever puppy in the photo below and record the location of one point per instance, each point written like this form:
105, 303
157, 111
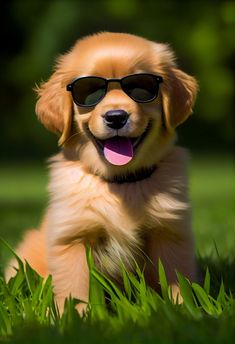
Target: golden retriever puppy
119, 184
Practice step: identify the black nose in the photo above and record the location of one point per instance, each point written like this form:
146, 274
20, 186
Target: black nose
116, 119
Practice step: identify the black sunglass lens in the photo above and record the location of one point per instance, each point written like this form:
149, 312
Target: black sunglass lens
88, 91
141, 88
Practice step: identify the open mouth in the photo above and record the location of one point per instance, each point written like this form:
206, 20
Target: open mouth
118, 150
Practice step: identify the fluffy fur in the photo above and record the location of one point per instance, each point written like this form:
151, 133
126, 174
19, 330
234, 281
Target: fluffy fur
124, 222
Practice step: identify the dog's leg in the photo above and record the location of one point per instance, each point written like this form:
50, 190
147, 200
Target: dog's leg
33, 250
176, 254
70, 274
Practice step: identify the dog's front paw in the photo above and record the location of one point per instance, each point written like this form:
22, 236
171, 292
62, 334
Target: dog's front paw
176, 294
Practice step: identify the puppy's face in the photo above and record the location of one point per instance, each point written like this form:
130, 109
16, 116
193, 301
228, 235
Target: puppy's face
118, 135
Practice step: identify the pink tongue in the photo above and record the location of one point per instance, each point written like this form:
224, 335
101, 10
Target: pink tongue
118, 150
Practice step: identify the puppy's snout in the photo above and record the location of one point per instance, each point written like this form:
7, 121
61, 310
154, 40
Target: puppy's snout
116, 119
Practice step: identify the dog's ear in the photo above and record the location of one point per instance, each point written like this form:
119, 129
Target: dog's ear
54, 106
179, 92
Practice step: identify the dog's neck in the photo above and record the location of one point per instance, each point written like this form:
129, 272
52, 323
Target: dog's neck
133, 177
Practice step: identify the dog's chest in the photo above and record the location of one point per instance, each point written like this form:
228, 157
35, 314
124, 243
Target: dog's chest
83, 205
92, 203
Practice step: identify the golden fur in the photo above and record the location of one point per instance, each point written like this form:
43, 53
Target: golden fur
123, 222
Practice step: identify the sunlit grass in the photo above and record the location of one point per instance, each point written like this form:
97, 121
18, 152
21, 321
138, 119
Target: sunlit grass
28, 311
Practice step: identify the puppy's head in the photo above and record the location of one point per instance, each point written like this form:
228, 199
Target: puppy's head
118, 135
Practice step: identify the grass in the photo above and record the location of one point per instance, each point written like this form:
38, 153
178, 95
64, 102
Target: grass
136, 314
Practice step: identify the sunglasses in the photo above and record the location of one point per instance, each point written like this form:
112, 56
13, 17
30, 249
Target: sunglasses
90, 90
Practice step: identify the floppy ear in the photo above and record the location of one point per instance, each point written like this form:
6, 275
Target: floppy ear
54, 106
179, 94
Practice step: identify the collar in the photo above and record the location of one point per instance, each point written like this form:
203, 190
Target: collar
133, 177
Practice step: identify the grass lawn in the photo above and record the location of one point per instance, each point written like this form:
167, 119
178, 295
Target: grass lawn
137, 315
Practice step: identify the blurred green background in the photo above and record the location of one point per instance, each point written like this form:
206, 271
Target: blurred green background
34, 32
202, 33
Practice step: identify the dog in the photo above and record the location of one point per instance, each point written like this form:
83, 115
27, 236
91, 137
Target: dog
119, 183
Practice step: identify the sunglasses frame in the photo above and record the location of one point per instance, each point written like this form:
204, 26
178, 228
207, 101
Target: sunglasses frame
70, 87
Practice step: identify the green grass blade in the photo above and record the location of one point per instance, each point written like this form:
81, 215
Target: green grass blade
32, 278
96, 298
126, 282
207, 281
221, 298
163, 281
187, 295
17, 282
9, 248
5, 322
203, 299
